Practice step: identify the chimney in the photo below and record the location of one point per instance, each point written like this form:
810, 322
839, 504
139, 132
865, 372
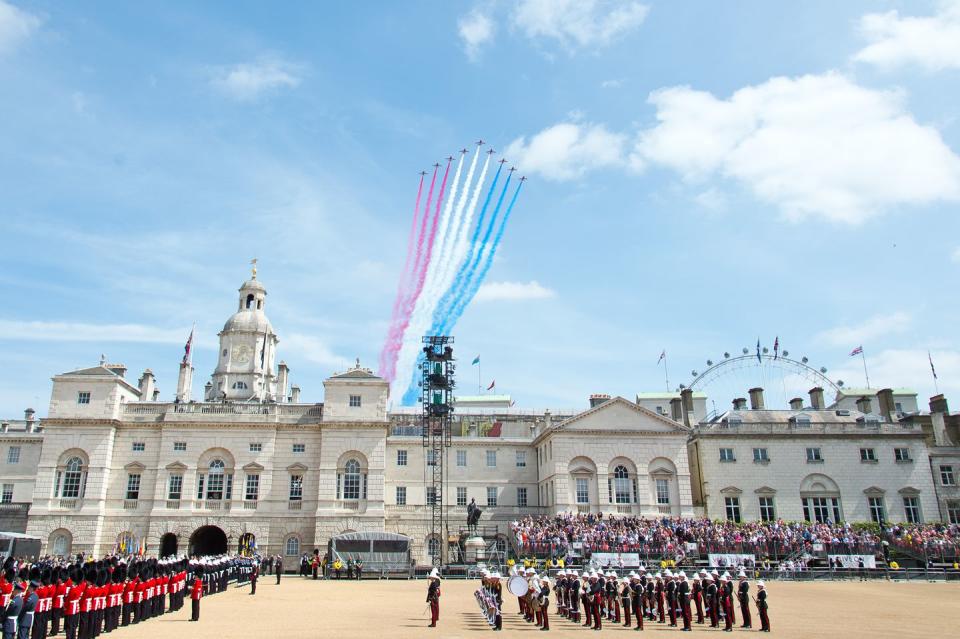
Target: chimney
938, 414
686, 405
676, 409
28, 417
740, 403
118, 369
147, 384
598, 398
283, 372
156, 395
184, 382
4, 427
864, 405
208, 392
816, 398
756, 398
294, 394
796, 403
887, 406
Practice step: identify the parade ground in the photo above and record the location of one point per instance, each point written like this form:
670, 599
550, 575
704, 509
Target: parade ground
381, 609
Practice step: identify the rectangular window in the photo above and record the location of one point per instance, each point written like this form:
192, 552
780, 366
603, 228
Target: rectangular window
521, 459
13, 455
256, 447
767, 510
7, 496
83, 397
823, 510
946, 476
139, 447
813, 455
299, 448
953, 512
133, 486
732, 505
760, 455
491, 459
911, 509
401, 458
583, 490
252, 490
663, 492
461, 495
200, 486
726, 455
901, 454
878, 513
401, 495
296, 487
179, 447
431, 495
175, 487
431, 457
354, 401
521, 496
461, 458
491, 496
868, 455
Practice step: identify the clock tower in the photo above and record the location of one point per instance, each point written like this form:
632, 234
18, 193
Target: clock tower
248, 346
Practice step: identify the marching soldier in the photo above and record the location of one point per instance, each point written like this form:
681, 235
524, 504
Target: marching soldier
596, 595
25, 618
683, 595
726, 602
196, 592
697, 588
585, 599
711, 593
254, 573
670, 587
544, 601
573, 596
71, 612
433, 597
637, 594
13, 612
625, 597
762, 607
743, 594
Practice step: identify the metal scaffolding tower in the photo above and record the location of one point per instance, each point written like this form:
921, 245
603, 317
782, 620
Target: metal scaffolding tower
437, 409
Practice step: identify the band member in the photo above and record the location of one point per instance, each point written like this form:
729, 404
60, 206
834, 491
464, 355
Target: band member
573, 597
683, 595
196, 593
726, 602
544, 602
596, 595
496, 590
670, 588
711, 592
625, 597
743, 595
433, 597
659, 594
637, 594
762, 607
697, 589
587, 585
650, 595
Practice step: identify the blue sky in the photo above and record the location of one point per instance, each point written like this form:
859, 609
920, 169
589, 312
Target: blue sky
700, 174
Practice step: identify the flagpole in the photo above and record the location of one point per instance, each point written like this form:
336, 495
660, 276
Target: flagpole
666, 375
479, 383
933, 371
865, 373
192, 333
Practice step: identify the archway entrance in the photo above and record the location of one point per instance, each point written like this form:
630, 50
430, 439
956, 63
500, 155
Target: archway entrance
168, 545
247, 545
208, 540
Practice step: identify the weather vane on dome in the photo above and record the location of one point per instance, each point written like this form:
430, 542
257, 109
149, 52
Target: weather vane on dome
253, 269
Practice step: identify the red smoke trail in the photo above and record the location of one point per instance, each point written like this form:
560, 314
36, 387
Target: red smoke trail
398, 301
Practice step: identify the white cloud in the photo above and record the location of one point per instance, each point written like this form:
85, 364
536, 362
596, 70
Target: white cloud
476, 29
955, 256
905, 368
871, 329
931, 42
512, 291
712, 199
16, 25
578, 23
251, 81
82, 332
567, 151
611, 84
816, 145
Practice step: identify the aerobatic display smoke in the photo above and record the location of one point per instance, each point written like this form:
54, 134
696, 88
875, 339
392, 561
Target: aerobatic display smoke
449, 252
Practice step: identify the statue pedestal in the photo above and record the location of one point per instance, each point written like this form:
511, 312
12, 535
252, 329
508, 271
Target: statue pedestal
475, 549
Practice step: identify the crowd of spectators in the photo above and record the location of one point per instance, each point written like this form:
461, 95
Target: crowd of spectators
583, 534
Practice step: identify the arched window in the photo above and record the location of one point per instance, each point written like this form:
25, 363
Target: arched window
60, 544
239, 386
351, 480
292, 548
621, 485
71, 480
433, 546
219, 483
250, 300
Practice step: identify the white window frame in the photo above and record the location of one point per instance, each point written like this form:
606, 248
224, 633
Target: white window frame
911, 509
814, 454
295, 549
256, 447
727, 455
521, 458
401, 495
877, 508
521, 496
299, 449
13, 455
902, 455
731, 508
492, 496
355, 401
582, 490
296, 487
133, 486
947, 478
139, 447
491, 455
178, 480
760, 455
462, 458
83, 397
402, 457
6, 496
868, 455
179, 447
461, 495
767, 508
251, 487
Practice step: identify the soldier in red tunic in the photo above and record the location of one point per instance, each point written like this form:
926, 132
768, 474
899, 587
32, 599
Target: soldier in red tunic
196, 592
433, 597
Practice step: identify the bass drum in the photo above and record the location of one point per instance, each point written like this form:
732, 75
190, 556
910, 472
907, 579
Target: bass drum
517, 586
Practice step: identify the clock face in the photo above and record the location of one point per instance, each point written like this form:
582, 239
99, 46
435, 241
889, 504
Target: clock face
241, 354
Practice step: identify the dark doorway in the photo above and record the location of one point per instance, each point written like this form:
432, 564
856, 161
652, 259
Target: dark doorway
168, 545
208, 540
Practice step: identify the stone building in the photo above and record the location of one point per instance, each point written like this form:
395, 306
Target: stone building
20, 443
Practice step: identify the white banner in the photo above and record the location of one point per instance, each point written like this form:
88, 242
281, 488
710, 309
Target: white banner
612, 559
852, 561
730, 560
691, 546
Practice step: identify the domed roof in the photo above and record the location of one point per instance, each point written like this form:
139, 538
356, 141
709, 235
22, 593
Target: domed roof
250, 320
254, 285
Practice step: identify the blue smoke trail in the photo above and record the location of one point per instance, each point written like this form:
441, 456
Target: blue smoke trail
451, 318
475, 285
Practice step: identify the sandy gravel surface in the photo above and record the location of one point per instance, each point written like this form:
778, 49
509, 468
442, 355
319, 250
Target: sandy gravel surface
385, 609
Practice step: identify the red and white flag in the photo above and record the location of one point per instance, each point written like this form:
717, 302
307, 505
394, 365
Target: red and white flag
187, 347
857, 351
